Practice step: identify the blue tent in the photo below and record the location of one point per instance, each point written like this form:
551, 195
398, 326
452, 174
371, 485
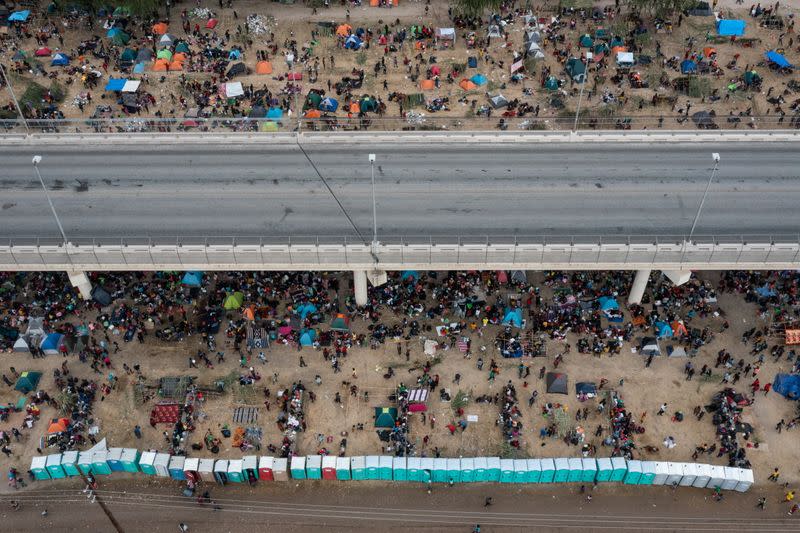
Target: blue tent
51, 343
607, 303
60, 60
307, 337
19, 16
138, 68
787, 385
765, 291
329, 104
778, 59
688, 66
513, 317
728, 28
409, 274
192, 279
234, 54
663, 330
478, 79
306, 309
113, 31
353, 43
115, 84
275, 112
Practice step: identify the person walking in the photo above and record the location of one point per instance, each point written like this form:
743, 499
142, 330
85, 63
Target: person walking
137, 431
762, 503
662, 409
774, 475
488, 501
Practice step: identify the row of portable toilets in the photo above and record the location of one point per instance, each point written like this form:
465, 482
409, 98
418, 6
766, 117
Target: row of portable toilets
420, 469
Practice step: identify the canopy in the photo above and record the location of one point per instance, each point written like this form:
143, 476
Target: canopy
51, 343
307, 337
513, 317
41, 52
275, 112
115, 84
60, 60
340, 322
607, 303
467, 85
182, 47
192, 279
385, 417
446, 33
625, 58
306, 309
234, 301
778, 59
263, 67
329, 104
727, 28
556, 383
688, 66
19, 16
160, 28
28, 381
478, 79
787, 385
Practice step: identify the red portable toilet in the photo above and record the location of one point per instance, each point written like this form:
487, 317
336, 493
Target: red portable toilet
265, 468
329, 467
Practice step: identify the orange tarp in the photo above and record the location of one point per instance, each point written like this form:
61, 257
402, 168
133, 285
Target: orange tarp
160, 65
427, 85
419, 45
313, 113
708, 51
344, 30
59, 426
792, 336
176, 65
263, 67
159, 28
467, 85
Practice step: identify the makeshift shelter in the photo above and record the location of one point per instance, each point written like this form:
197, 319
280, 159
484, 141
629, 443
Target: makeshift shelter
237, 69
625, 59
51, 343
233, 301
329, 105
385, 417
307, 337
607, 303
59, 60
777, 59
344, 30
586, 389
35, 326
787, 385
467, 85
305, 309
27, 382
101, 296
263, 67
576, 70
340, 322
192, 279
556, 383
19, 16
211, 23
479, 79
115, 84
233, 89
730, 27
427, 85
678, 329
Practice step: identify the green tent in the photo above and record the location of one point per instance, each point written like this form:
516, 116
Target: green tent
313, 100
340, 323
269, 126
233, 301
368, 104
385, 417
751, 77
551, 84
586, 41
601, 48
182, 47
576, 69
28, 381
121, 38
164, 54
127, 55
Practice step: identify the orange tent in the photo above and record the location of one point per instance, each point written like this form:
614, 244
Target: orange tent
374, 3
419, 45
427, 85
467, 85
313, 113
344, 30
180, 56
176, 65
355, 108
263, 67
678, 329
58, 426
161, 65
708, 51
249, 314
160, 28
618, 49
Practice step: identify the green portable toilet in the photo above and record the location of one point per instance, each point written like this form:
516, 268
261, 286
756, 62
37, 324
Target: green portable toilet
358, 468
562, 470
85, 462
413, 469
385, 467
575, 470
114, 459
130, 459
453, 470
492, 469
548, 470
69, 462
235, 474
373, 464
589, 470
604, 469
39, 467
618, 469
648, 473
506, 470
100, 463
480, 469
314, 467
426, 470
297, 468
54, 468
467, 469
343, 468
634, 473
439, 470
399, 469
534, 470
520, 470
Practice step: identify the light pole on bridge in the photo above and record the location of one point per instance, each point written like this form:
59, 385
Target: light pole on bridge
36, 160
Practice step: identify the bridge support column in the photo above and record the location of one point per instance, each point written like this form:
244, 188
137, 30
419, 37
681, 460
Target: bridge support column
639, 285
360, 286
678, 277
81, 281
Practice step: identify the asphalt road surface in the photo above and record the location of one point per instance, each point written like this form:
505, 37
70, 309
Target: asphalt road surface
374, 506
274, 191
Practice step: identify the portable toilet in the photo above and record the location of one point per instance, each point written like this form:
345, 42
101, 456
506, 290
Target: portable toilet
439, 470
100, 463
674, 473
314, 467
506, 470
453, 470
297, 468
426, 470
114, 459
69, 462
235, 474
717, 477
731, 478
534, 470
634, 473
161, 464
520, 470
385, 467
372, 464
618, 469
191, 465
39, 467
689, 474
562, 470
205, 469
358, 467
280, 469
221, 471
745, 480
548, 470
329, 467
575, 470
343, 468
413, 469
589, 465
604, 469
703, 475
250, 468
492, 469
145, 463
175, 467
399, 469
130, 459
54, 468
648, 473
479, 472
265, 468
662, 473
467, 465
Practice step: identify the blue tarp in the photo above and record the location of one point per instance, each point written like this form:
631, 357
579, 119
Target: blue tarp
478, 79
663, 330
778, 59
115, 84
307, 337
513, 317
787, 385
765, 291
329, 104
19, 16
275, 112
688, 66
353, 43
306, 309
192, 279
608, 303
410, 274
731, 27
60, 60
51, 343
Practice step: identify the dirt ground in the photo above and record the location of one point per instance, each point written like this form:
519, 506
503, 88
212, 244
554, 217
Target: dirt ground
296, 22
643, 390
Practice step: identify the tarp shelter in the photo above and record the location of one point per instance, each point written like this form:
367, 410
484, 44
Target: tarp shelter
688, 66
498, 101
101, 296
51, 343
556, 383
625, 59
467, 85
115, 84
478, 79
513, 317
192, 279
166, 40
306, 309
340, 322
233, 301
263, 67
778, 59
731, 27
586, 388
385, 417
576, 69
344, 30
27, 382
787, 385
60, 60
307, 337
329, 104
678, 329
427, 85
234, 89
607, 303
19, 16
275, 113
41, 52
58, 425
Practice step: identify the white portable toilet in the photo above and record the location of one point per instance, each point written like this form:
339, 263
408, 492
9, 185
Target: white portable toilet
662, 473
731, 478
280, 467
717, 477
689, 474
205, 469
703, 475
191, 465
343, 468
161, 464
745, 480
674, 473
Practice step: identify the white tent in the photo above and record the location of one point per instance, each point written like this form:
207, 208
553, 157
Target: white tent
21, 345
533, 50
625, 58
35, 326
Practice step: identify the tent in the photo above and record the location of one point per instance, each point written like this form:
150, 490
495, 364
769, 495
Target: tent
275, 113
121, 39
353, 43
513, 317
329, 104
127, 55
576, 69
368, 104
145, 54
166, 40
534, 50
478, 79
551, 83
192, 279
233, 301
427, 85
211, 24
267, 126
307, 337
263, 67
518, 276
234, 54
409, 274
556, 383
236, 69
160, 28
60, 60
258, 111
649, 346
122, 11
112, 32
688, 66
778, 59
181, 48
28, 381
586, 41
678, 329
58, 425
115, 84
161, 65
625, 59
467, 85
663, 331
51, 343
313, 99
179, 56
587, 388
385, 417
35, 326
607, 303
21, 345
19, 16
731, 28
164, 54
101, 296
312, 113
138, 68
787, 385
41, 52
498, 101
344, 30
175, 66
676, 351
306, 309
340, 322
